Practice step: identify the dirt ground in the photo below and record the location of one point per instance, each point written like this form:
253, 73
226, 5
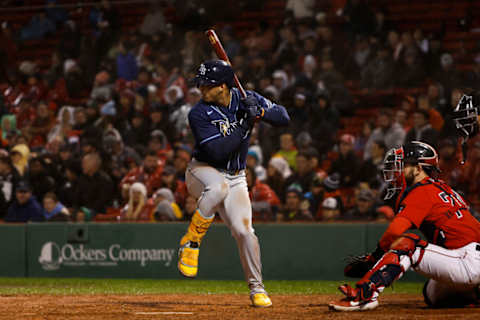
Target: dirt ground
46, 307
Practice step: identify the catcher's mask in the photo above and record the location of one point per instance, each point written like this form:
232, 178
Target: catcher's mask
465, 117
415, 153
393, 171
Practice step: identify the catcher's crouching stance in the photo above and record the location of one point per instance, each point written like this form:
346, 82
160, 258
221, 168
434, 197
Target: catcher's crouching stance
450, 258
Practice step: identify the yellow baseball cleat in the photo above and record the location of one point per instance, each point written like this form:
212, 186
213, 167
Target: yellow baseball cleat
188, 259
260, 300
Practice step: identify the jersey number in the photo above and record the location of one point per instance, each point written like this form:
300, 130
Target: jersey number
447, 198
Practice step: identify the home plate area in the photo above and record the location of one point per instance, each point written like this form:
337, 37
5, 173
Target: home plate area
213, 306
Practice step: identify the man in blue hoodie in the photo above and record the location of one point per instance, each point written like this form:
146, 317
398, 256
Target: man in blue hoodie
25, 207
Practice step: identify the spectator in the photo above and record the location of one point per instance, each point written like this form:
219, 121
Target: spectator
182, 156
38, 27
67, 191
63, 129
178, 187
154, 21
159, 143
8, 181
364, 209
20, 155
435, 118
391, 133
277, 172
25, 207
448, 162
137, 135
9, 129
347, 164
265, 202
422, 130
54, 210
137, 208
95, 187
447, 76
40, 178
149, 173
41, 125
159, 121
378, 73
410, 71
371, 169
288, 150
179, 117
304, 174
324, 120
254, 161
330, 210
165, 208
295, 207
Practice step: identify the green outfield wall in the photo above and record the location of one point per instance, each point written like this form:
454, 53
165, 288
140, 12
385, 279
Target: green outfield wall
102, 250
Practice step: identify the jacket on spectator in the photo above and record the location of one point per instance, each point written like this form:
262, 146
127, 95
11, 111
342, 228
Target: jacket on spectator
30, 211
94, 192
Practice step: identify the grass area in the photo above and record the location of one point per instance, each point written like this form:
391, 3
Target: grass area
70, 286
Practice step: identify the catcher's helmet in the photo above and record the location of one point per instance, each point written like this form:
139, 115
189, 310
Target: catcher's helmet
214, 73
414, 152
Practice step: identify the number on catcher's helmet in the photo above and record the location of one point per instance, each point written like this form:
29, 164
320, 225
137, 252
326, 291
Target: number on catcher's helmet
214, 73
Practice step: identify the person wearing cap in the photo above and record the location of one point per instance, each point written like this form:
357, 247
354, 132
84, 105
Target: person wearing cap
25, 207
254, 161
296, 207
278, 171
347, 163
330, 209
364, 208
164, 206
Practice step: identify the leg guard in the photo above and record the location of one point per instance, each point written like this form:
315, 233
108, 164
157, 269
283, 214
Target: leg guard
197, 229
392, 265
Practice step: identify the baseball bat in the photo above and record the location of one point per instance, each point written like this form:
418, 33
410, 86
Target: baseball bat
217, 46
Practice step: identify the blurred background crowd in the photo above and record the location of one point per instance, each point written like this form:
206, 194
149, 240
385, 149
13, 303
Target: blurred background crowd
95, 96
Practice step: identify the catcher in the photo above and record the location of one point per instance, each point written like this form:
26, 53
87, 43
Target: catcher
450, 257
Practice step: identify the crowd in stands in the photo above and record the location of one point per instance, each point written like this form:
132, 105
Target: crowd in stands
101, 132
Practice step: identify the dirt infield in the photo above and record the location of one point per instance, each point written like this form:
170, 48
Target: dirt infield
46, 307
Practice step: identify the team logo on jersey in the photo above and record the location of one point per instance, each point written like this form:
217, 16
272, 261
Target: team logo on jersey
202, 70
224, 126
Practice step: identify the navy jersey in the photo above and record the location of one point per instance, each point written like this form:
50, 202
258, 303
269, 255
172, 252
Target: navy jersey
220, 140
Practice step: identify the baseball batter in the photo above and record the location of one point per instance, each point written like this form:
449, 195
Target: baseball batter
450, 258
221, 124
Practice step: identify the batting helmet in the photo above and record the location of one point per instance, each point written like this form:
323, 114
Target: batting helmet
214, 73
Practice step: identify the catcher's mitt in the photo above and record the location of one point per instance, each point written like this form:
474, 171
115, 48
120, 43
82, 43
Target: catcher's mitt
357, 266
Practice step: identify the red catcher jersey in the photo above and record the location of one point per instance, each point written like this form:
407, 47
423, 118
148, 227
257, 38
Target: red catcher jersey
440, 213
